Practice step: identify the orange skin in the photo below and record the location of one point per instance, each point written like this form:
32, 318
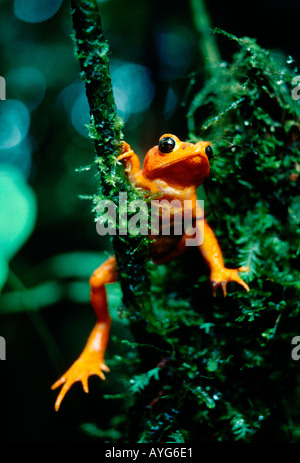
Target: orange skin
174, 173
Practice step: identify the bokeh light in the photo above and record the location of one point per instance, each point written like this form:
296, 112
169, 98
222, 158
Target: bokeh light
27, 84
133, 88
133, 92
80, 114
14, 123
18, 210
175, 53
36, 11
17, 204
19, 156
74, 102
171, 103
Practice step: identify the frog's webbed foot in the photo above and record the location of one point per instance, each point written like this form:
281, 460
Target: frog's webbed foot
84, 367
91, 361
127, 155
223, 275
79, 371
132, 161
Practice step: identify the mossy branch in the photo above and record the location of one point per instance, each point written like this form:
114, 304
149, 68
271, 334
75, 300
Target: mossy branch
92, 51
207, 43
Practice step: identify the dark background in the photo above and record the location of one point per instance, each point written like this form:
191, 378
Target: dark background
44, 312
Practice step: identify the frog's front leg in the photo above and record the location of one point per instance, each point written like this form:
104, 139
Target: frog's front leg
91, 360
211, 251
219, 274
133, 165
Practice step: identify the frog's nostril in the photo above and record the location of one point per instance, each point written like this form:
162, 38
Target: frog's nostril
184, 145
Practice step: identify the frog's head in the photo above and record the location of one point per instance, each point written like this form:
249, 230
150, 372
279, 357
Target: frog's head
178, 163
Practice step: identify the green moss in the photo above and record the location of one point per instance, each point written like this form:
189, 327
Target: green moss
92, 51
204, 369
228, 359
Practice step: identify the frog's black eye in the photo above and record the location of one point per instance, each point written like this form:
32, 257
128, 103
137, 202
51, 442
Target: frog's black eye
166, 145
209, 152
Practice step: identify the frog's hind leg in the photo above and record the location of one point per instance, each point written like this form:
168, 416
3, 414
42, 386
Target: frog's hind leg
175, 252
91, 360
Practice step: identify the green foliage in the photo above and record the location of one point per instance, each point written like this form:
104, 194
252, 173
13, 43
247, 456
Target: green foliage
223, 366
247, 113
177, 437
105, 129
139, 382
225, 363
109, 435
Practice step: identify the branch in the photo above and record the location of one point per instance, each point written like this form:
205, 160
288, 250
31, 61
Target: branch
92, 51
207, 43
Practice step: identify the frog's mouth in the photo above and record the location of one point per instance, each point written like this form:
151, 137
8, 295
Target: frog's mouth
184, 159
190, 170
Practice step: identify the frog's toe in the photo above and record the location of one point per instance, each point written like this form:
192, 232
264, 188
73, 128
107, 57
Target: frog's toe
81, 370
242, 283
224, 276
233, 276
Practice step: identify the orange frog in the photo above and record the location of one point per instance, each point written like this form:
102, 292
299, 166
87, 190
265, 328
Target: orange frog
173, 169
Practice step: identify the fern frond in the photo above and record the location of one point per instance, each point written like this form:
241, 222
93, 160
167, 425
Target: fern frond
249, 257
177, 437
139, 382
